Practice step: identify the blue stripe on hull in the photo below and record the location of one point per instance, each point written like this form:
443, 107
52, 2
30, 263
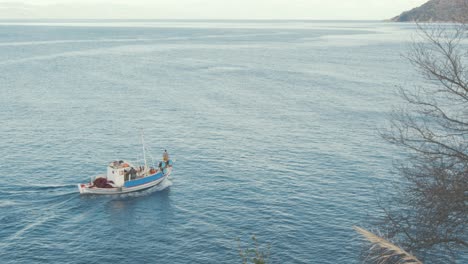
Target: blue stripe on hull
143, 180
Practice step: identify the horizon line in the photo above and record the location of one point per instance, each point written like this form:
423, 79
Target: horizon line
190, 19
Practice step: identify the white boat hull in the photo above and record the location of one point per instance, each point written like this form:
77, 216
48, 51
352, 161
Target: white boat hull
89, 189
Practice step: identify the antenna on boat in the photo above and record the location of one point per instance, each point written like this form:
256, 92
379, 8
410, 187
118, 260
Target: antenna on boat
144, 150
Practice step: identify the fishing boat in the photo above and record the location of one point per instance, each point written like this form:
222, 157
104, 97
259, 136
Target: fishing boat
124, 177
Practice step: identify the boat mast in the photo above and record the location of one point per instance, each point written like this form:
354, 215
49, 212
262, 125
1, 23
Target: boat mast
143, 145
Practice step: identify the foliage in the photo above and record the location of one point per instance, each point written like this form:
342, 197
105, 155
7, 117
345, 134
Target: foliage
431, 213
255, 255
383, 251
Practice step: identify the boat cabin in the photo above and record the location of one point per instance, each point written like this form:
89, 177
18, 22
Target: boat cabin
121, 171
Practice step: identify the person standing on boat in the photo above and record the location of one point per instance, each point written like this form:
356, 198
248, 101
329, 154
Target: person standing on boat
126, 175
163, 164
133, 173
167, 160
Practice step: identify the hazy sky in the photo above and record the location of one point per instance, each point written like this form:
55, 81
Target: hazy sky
207, 9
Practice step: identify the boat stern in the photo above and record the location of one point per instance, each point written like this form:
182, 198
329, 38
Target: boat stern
82, 188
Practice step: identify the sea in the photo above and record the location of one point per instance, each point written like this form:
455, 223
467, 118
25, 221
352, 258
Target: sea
273, 127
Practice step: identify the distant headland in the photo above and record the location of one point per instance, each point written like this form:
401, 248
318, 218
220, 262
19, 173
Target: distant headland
436, 11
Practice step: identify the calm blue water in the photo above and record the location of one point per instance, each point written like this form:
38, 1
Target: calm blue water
273, 126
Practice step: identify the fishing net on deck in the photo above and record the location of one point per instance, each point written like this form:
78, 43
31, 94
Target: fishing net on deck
103, 183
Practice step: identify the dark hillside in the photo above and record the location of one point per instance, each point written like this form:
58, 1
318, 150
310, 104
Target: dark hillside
436, 11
